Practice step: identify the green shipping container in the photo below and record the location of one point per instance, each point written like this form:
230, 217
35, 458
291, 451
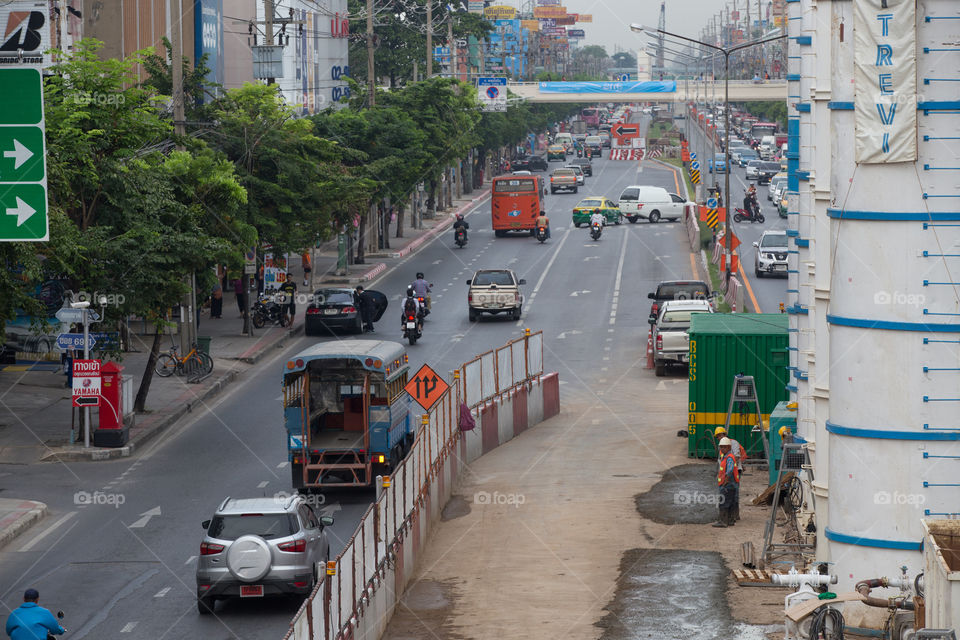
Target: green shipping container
721, 346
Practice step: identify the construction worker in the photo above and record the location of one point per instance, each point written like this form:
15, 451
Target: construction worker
740, 454
786, 434
728, 483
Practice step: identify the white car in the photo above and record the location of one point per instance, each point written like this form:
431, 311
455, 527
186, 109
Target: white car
577, 169
776, 186
752, 171
771, 253
651, 203
671, 343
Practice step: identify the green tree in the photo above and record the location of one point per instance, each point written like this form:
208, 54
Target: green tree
624, 59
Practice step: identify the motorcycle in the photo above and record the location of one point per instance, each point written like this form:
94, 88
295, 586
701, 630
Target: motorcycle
424, 309
542, 234
460, 237
753, 215
411, 329
266, 309
595, 229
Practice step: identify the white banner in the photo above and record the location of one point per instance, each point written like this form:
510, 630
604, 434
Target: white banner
885, 77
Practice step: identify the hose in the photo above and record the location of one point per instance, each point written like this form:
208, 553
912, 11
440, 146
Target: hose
864, 586
818, 626
918, 584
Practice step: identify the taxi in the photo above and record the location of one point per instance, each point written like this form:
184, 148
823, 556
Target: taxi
609, 209
556, 152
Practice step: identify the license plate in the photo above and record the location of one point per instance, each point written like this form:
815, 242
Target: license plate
779, 267
331, 312
251, 591
411, 325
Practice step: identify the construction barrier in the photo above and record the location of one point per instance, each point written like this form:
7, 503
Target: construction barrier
626, 154
506, 392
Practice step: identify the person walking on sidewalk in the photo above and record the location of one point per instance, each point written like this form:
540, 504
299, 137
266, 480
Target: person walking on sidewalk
216, 300
728, 481
307, 268
289, 289
241, 296
30, 621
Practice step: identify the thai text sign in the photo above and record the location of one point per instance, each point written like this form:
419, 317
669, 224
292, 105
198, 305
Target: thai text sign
500, 12
885, 80
550, 12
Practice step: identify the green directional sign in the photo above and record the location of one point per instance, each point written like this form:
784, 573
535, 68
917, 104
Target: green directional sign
23, 175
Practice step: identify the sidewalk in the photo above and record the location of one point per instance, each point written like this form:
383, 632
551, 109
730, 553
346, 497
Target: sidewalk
35, 411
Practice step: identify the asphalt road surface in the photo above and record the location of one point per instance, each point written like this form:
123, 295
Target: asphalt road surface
126, 565
769, 291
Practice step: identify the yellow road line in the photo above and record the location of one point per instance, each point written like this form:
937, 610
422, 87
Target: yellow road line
746, 282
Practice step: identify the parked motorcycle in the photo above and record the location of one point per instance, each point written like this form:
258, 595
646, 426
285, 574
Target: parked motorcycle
595, 229
542, 234
266, 309
750, 216
460, 237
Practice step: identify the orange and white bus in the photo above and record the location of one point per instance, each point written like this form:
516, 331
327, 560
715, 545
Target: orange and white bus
515, 203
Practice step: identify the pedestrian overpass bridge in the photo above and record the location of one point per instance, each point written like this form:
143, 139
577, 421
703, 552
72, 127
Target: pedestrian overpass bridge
667, 91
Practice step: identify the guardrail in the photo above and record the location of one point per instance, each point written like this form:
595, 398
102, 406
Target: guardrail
370, 564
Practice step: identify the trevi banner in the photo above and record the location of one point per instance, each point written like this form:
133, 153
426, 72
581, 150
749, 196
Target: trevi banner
885, 80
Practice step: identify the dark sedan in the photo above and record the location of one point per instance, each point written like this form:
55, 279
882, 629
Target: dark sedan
530, 163
332, 308
585, 165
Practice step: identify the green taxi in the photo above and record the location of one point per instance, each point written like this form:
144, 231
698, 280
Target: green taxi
609, 209
556, 152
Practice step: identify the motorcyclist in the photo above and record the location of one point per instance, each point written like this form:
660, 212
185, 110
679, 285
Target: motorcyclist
596, 218
750, 204
422, 288
411, 305
30, 621
460, 223
544, 221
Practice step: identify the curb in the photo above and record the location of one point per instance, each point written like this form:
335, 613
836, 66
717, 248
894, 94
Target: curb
367, 276
162, 424
10, 530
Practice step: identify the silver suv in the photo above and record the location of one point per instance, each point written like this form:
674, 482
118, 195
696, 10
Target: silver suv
256, 547
494, 291
771, 253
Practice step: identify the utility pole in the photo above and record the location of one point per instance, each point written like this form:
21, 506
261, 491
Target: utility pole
371, 73
451, 45
268, 28
429, 38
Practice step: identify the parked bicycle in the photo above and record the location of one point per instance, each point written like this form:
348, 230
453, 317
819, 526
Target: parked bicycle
194, 363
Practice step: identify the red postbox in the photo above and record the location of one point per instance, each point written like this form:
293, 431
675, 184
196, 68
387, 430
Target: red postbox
111, 432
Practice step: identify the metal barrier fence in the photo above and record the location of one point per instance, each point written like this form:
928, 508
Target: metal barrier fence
334, 606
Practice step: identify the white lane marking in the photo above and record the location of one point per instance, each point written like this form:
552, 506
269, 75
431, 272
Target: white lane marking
146, 516
127, 628
437, 261
161, 593
588, 258
278, 398
53, 527
616, 282
282, 464
511, 261
190, 559
543, 276
263, 484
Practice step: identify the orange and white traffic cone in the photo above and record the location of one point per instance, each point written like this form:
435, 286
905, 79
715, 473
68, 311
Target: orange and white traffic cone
650, 349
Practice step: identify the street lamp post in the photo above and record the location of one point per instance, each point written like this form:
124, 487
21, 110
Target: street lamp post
637, 28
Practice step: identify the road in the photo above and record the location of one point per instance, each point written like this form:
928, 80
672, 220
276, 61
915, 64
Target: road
127, 566
769, 292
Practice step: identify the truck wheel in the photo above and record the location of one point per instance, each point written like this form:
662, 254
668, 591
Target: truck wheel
474, 315
654, 217
632, 219
660, 369
205, 605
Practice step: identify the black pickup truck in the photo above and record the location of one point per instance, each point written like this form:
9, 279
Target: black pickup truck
678, 290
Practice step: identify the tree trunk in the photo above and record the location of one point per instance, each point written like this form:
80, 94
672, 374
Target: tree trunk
361, 239
479, 159
140, 403
400, 220
387, 211
431, 195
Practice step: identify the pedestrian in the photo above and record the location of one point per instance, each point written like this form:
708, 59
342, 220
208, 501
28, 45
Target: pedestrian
307, 268
728, 483
216, 300
67, 360
30, 621
241, 296
739, 453
289, 290
365, 303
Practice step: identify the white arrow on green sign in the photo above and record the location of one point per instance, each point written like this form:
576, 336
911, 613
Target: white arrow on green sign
23, 175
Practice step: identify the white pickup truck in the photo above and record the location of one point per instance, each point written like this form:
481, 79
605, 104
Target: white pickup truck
671, 344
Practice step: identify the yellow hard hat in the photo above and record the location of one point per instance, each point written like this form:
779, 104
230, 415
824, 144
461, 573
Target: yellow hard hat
718, 431
784, 429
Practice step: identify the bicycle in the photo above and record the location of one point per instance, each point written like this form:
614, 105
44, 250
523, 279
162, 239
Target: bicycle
195, 362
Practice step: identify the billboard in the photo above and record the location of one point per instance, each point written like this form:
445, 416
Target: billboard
532, 25
550, 12
584, 17
547, 22
575, 33
566, 21
27, 32
475, 6
500, 12
208, 37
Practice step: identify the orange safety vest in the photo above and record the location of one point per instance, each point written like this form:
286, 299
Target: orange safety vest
722, 473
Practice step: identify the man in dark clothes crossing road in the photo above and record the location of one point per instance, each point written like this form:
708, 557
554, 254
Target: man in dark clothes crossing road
365, 304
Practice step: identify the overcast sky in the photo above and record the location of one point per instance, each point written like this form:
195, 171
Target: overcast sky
612, 18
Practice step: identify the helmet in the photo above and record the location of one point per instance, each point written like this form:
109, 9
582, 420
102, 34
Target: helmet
725, 442
409, 292
784, 429
459, 216
419, 275
718, 431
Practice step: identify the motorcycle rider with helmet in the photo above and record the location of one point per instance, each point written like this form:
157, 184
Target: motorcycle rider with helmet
597, 218
544, 221
461, 224
421, 289
411, 305
750, 204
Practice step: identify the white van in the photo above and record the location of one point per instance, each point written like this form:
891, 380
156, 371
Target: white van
650, 203
767, 147
565, 139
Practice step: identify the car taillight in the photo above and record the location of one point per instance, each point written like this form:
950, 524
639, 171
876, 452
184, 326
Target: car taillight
654, 308
210, 549
312, 310
294, 546
349, 310
659, 341
469, 297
